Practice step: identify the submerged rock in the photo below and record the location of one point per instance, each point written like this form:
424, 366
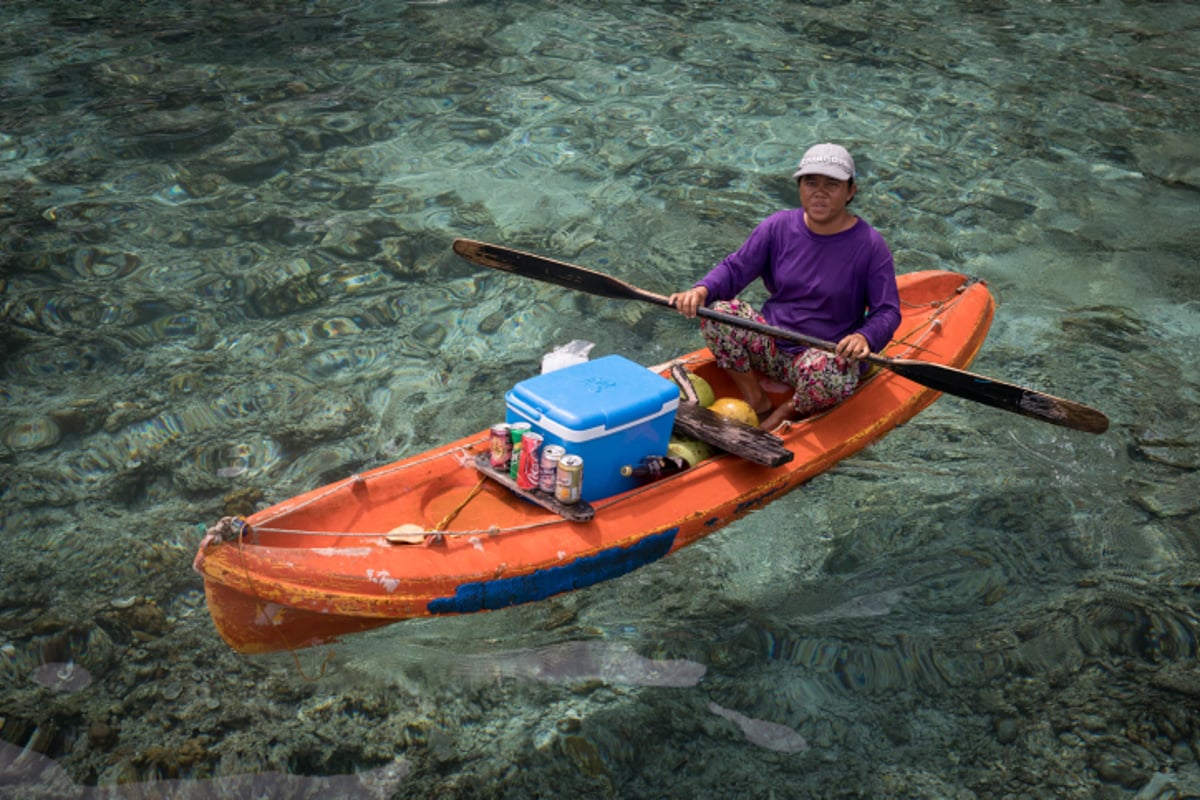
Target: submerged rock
62, 677
1173, 498
43, 777
1170, 156
589, 662
1162, 447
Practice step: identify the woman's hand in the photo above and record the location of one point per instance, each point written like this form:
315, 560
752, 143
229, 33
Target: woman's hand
853, 347
690, 301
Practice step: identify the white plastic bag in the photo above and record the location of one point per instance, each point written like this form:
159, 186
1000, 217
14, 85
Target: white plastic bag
573, 352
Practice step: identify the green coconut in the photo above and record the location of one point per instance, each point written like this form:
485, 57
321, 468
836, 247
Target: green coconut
690, 450
704, 391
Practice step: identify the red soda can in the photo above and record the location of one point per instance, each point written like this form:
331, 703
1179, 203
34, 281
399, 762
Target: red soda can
501, 446
515, 432
529, 472
551, 454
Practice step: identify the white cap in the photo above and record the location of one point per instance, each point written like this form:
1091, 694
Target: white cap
832, 160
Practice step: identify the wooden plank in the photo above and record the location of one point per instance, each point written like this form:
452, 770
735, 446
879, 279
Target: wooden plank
746, 441
576, 512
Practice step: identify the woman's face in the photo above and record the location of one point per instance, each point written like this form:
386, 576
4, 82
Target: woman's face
824, 198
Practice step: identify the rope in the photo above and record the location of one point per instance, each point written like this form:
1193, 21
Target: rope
446, 520
436, 535
226, 529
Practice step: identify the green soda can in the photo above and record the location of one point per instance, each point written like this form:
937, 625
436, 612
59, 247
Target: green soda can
515, 432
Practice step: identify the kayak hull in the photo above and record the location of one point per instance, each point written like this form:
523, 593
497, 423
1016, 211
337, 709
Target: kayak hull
320, 566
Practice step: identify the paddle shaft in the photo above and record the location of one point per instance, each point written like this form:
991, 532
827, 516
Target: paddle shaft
960, 383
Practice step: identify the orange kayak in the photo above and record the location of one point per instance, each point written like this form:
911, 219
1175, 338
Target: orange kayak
342, 558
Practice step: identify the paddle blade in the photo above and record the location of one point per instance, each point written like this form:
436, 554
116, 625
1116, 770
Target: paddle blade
998, 394
548, 270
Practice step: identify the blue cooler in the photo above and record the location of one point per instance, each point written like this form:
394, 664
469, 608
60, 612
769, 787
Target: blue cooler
610, 411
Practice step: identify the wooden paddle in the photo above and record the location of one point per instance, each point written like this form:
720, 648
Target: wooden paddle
960, 383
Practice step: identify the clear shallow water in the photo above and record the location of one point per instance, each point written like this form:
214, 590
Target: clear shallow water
226, 276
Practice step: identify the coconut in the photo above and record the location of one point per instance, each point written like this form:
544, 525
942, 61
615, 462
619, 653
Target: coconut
690, 450
704, 390
735, 409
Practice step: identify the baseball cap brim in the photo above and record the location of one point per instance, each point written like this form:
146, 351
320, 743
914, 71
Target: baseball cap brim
831, 160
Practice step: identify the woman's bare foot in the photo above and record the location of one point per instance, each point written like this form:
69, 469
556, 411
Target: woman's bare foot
778, 416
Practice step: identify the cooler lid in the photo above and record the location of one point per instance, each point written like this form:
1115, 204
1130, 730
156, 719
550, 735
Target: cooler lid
593, 399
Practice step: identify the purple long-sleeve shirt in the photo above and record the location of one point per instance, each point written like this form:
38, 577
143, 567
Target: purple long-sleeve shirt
822, 286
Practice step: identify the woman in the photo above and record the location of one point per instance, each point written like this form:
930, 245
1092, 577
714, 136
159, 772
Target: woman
829, 275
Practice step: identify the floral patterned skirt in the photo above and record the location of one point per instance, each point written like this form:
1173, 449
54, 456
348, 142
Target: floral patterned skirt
818, 379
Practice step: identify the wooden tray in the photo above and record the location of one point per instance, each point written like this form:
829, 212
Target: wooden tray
576, 512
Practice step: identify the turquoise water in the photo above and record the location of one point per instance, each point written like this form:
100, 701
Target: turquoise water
226, 277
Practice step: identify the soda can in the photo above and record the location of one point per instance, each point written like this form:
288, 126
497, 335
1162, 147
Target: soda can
568, 485
529, 471
515, 432
501, 447
551, 455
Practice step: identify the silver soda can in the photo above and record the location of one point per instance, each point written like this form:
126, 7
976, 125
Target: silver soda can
568, 486
551, 455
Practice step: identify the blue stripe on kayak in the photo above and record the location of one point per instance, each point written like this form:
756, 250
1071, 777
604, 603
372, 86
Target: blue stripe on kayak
504, 592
